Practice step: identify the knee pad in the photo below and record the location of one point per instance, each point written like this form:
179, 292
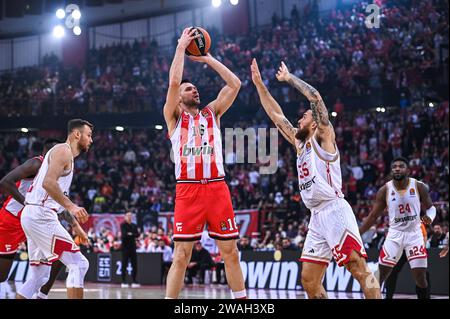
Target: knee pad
38, 276
78, 266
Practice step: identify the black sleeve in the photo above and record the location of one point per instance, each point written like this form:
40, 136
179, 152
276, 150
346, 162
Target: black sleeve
123, 230
135, 231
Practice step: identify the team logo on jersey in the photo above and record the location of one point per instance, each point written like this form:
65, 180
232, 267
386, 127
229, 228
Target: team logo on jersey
223, 226
8, 247
179, 226
308, 147
206, 114
412, 192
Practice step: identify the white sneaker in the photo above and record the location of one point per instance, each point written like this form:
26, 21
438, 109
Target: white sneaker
133, 285
124, 285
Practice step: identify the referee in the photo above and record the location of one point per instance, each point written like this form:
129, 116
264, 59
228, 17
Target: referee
129, 233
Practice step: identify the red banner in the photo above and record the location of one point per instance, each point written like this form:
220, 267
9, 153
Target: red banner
107, 221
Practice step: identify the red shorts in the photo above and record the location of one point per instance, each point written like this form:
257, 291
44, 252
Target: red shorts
11, 233
197, 204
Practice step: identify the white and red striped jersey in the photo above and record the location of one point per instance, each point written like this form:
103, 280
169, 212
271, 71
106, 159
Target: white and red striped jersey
197, 147
13, 206
37, 195
319, 174
403, 206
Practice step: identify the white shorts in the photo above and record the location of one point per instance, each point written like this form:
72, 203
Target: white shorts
332, 232
411, 242
47, 239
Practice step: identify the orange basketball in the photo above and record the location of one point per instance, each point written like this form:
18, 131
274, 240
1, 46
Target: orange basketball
201, 45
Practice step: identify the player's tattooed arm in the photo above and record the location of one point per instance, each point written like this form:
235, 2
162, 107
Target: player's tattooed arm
68, 217
320, 112
286, 129
377, 210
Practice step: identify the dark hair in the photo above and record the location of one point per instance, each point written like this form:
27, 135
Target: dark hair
37, 147
77, 123
400, 159
185, 81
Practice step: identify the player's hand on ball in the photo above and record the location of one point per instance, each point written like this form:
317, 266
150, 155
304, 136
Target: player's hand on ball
203, 59
80, 214
426, 220
186, 38
256, 74
283, 73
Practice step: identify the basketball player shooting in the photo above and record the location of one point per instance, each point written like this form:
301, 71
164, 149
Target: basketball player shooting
333, 231
202, 196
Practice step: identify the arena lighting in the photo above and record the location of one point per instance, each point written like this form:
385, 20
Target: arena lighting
431, 104
60, 13
76, 30
333, 114
58, 31
383, 110
24, 130
216, 3
159, 127
234, 2
119, 128
76, 14
378, 109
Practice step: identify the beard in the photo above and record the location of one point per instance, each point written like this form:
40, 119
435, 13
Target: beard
399, 177
83, 148
192, 103
302, 134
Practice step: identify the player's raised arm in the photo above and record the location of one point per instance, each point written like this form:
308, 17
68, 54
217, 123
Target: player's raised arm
319, 110
59, 160
377, 210
27, 169
171, 108
426, 203
229, 92
272, 108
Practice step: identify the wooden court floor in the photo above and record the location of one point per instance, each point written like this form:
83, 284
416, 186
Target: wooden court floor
196, 291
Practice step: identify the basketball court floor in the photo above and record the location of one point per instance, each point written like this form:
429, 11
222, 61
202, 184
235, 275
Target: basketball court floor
113, 291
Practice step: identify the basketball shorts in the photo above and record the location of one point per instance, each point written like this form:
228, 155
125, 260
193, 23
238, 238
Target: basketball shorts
11, 233
197, 204
332, 232
47, 239
411, 242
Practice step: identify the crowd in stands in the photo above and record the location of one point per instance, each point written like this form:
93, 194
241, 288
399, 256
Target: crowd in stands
397, 63
132, 171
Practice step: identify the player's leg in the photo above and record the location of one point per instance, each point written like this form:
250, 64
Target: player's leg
418, 261
134, 267
230, 254
54, 272
78, 266
315, 258
175, 278
38, 276
391, 281
6, 262
341, 231
222, 227
188, 224
357, 266
311, 278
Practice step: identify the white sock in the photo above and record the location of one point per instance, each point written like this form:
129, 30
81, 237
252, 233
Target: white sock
239, 294
40, 295
168, 298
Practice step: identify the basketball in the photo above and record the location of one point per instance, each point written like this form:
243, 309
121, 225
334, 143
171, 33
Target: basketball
201, 45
